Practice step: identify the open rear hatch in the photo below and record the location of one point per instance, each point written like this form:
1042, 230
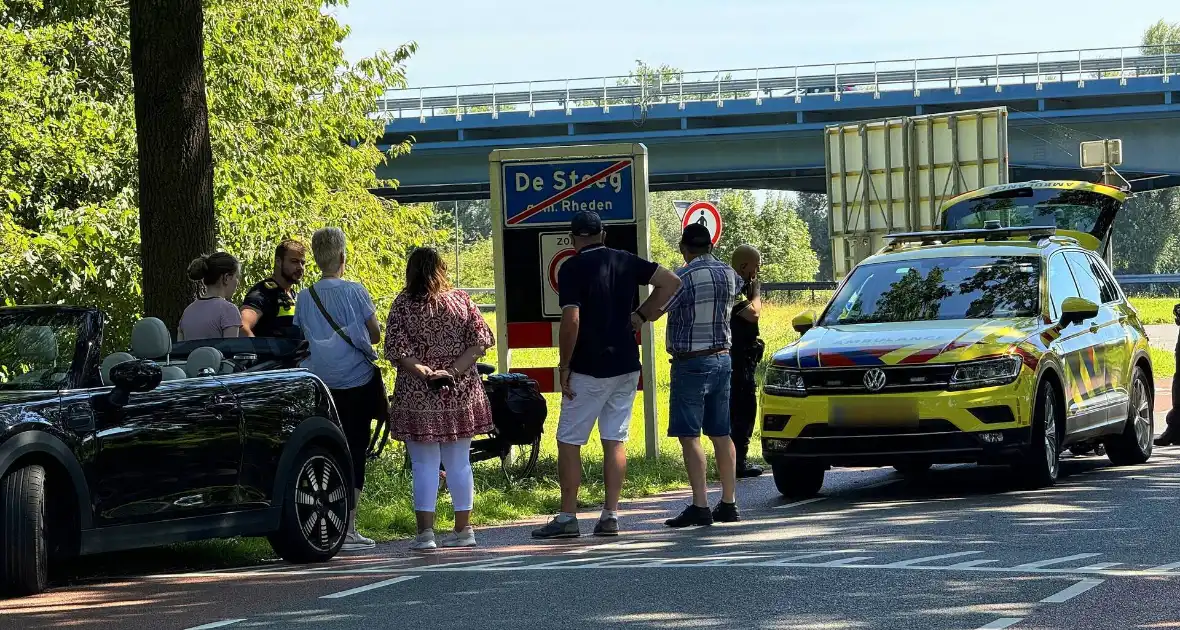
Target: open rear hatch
1080, 210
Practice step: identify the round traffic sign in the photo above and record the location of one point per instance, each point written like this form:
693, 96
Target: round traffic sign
555, 265
706, 214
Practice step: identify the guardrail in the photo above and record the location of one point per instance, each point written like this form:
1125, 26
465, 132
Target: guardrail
798, 81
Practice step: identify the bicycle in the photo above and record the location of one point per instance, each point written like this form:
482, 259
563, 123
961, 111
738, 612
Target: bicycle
512, 440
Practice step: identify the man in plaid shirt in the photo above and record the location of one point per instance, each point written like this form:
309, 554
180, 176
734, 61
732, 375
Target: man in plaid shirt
698, 339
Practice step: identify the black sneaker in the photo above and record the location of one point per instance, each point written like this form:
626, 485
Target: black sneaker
692, 516
726, 513
558, 529
746, 471
1169, 437
606, 527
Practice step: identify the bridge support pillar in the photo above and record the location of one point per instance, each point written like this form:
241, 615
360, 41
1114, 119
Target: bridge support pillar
1040, 104
569, 129
1167, 98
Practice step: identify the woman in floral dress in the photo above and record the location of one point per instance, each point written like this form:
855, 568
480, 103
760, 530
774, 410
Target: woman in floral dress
434, 336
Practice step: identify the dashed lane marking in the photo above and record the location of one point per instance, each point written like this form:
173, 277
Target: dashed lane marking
1040, 564
370, 587
217, 624
1166, 567
908, 563
1071, 592
1003, 622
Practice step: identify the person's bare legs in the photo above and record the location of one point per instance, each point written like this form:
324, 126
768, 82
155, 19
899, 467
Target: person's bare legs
726, 455
614, 471
462, 520
694, 463
425, 520
569, 475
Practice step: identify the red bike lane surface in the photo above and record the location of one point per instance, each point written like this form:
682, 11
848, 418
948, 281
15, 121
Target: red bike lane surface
181, 601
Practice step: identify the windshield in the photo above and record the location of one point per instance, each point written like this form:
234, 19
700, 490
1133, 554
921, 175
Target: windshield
1077, 210
973, 287
37, 349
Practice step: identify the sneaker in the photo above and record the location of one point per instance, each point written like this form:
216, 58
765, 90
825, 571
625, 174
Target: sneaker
690, 517
746, 471
465, 538
424, 541
606, 527
1169, 437
353, 541
557, 529
726, 513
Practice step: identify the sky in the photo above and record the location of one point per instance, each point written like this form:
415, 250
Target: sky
481, 41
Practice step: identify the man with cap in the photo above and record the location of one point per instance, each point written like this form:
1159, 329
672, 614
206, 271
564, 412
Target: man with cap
599, 364
699, 340
747, 352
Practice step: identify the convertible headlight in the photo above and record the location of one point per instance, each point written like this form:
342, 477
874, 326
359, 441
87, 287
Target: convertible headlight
987, 373
783, 382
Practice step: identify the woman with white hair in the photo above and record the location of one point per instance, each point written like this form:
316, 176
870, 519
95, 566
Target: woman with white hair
339, 322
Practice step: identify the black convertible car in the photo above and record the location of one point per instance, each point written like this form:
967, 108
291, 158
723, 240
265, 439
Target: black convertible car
164, 444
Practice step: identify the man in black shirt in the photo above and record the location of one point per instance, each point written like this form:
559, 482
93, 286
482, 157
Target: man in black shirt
746, 353
1171, 435
269, 307
599, 364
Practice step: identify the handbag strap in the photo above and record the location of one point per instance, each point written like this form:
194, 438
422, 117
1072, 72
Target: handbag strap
331, 322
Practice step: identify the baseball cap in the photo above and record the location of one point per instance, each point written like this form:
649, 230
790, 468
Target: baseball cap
696, 235
586, 223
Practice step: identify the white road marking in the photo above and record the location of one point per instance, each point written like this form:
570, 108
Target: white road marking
1166, 567
970, 563
818, 554
1071, 592
1040, 564
474, 564
375, 585
1100, 566
906, 563
217, 624
1003, 622
798, 503
575, 561
845, 561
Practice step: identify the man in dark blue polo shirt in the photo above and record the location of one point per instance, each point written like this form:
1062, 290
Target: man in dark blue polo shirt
599, 363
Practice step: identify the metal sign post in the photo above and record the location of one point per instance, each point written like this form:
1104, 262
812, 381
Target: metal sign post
534, 194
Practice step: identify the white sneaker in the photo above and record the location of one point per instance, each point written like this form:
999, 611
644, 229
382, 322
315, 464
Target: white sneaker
465, 538
424, 541
355, 542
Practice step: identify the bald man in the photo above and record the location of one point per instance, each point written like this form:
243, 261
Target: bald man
747, 352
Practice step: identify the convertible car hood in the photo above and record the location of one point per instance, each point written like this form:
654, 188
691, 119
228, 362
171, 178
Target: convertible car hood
906, 343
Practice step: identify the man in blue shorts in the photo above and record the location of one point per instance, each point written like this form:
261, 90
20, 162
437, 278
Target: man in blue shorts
698, 339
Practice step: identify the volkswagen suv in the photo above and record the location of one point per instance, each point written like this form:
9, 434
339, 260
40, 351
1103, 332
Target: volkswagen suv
1001, 338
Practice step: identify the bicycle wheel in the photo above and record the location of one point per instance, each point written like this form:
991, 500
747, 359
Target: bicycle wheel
519, 461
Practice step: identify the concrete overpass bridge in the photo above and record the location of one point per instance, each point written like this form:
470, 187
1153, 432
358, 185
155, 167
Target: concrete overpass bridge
762, 127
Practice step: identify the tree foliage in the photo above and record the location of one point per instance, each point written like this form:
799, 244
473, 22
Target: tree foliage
294, 146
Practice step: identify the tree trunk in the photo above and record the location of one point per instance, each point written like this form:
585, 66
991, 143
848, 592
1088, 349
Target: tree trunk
176, 218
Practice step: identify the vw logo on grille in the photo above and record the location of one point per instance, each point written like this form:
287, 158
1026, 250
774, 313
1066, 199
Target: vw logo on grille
874, 379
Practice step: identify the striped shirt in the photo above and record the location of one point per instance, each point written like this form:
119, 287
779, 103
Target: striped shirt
698, 315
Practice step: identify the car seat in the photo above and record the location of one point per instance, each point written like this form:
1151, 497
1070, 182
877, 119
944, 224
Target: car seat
206, 357
150, 340
37, 345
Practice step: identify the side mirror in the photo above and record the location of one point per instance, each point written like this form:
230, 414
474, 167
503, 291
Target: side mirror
804, 321
1076, 309
135, 377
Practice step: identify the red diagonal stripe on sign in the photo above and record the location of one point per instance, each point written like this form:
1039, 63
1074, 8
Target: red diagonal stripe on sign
572, 190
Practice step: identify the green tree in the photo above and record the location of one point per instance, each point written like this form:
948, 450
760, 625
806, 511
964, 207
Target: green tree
813, 209
293, 143
1162, 37
785, 242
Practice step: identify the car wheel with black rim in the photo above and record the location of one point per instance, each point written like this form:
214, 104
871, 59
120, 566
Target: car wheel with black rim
1134, 444
24, 555
316, 504
1042, 460
797, 481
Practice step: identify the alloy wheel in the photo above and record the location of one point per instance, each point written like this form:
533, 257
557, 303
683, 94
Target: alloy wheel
1142, 407
321, 503
1051, 434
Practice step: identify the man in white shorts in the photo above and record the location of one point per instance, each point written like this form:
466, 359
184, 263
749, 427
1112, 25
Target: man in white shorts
598, 291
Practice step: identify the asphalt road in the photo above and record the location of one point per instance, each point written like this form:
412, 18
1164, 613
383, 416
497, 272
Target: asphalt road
963, 547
